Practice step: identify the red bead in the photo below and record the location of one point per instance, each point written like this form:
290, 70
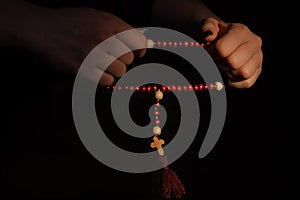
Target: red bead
174, 87
185, 88
179, 88
200, 87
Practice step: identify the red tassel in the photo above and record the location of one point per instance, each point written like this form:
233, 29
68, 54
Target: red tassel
171, 184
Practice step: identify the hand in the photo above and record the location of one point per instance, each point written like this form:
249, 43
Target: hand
67, 35
236, 50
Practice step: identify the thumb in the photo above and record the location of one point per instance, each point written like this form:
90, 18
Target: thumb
210, 29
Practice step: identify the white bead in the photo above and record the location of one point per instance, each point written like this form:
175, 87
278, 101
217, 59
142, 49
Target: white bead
150, 43
156, 130
158, 95
219, 86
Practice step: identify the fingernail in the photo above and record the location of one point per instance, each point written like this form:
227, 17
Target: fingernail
207, 34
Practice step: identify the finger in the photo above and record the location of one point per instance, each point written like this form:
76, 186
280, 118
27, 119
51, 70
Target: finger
116, 68
210, 29
245, 83
118, 49
98, 76
133, 39
127, 58
106, 79
248, 69
108, 63
140, 52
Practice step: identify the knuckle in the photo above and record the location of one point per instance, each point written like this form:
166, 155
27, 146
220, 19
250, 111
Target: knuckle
243, 28
259, 41
221, 49
244, 73
233, 62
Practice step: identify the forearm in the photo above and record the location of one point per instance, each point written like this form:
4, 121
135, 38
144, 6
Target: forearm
172, 12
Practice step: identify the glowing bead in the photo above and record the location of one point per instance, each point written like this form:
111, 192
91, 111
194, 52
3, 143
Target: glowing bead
164, 43
156, 130
158, 95
219, 86
150, 43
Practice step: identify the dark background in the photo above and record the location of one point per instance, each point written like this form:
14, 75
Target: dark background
43, 158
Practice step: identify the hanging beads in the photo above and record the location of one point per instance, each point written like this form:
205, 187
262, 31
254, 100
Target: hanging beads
157, 143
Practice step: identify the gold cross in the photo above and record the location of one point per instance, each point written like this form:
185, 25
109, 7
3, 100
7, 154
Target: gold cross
157, 144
